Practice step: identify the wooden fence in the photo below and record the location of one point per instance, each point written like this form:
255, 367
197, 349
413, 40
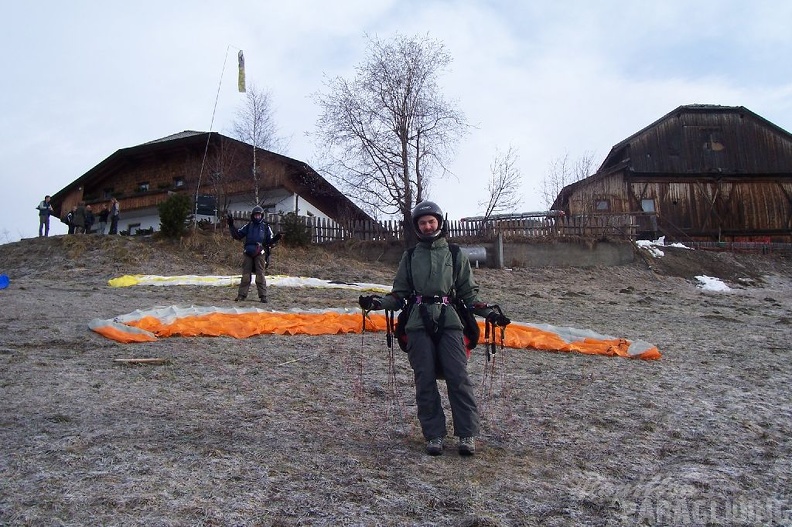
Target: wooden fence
622, 226
614, 226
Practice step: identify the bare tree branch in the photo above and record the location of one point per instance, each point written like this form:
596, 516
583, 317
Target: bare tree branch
504, 183
387, 131
254, 124
563, 172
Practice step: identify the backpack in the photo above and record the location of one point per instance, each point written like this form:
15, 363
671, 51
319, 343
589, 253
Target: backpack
470, 328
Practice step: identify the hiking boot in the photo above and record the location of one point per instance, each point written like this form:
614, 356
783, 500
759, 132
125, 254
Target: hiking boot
467, 446
239, 298
434, 447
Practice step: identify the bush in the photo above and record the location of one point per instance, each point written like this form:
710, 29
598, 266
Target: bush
173, 215
295, 231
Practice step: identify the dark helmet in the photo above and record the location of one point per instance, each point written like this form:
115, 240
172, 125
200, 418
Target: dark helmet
256, 210
426, 208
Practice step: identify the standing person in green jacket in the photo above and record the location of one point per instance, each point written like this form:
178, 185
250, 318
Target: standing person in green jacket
435, 343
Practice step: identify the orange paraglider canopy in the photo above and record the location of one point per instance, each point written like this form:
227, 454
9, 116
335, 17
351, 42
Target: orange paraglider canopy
149, 325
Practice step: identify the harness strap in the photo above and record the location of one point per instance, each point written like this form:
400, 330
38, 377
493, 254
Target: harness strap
430, 325
434, 329
489, 344
445, 300
389, 327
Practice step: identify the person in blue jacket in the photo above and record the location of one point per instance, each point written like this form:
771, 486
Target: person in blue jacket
258, 239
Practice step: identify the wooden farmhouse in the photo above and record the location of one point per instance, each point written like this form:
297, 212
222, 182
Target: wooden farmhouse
216, 172
699, 173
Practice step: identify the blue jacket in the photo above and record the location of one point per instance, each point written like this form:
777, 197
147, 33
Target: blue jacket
257, 236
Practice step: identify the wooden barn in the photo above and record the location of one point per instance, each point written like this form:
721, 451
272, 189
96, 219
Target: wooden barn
215, 171
699, 173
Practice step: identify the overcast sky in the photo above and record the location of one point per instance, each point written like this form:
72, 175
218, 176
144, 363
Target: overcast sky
548, 77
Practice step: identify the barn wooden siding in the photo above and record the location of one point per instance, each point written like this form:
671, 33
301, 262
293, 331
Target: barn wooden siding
714, 173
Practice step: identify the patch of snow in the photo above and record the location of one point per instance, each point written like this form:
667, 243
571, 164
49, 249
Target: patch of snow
708, 283
652, 246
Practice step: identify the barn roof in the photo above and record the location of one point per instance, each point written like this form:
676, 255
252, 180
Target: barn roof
705, 139
698, 140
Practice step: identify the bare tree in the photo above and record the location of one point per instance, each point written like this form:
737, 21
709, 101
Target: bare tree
563, 172
254, 124
225, 166
504, 184
388, 130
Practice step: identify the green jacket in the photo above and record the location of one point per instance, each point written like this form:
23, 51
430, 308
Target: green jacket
433, 275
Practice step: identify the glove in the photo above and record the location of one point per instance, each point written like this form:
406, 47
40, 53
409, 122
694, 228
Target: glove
370, 302
498, 319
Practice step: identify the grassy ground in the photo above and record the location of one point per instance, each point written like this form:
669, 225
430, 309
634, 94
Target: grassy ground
321, 430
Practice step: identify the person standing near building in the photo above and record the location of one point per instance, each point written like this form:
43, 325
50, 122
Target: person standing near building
45, 211
429, 280
115, 215
89, 219
258, 238
69, 219
78, 219
103, 215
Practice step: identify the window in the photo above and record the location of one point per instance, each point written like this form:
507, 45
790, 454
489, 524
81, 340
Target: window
178, 182
647, 205
602, 205
143, 187
107, 193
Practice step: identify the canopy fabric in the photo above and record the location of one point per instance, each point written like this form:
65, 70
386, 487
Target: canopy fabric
234, 280
149, 325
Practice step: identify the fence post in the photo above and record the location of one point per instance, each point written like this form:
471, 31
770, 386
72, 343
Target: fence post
499, 251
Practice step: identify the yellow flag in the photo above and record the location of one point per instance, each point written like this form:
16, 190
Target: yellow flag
241, 81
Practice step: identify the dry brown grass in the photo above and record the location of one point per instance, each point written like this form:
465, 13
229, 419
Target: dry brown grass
306, 430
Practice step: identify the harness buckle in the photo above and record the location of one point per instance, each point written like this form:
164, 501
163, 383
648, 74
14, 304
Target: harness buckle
420, 299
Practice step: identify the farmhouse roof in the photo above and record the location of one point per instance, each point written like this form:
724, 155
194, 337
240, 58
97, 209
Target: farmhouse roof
302, 179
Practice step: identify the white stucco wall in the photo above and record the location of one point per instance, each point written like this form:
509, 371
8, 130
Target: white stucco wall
276, 202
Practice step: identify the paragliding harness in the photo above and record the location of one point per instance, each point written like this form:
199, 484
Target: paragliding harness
254, 250
470, 330
268, 249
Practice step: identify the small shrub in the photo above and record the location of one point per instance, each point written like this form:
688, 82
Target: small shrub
173, 215
295, 231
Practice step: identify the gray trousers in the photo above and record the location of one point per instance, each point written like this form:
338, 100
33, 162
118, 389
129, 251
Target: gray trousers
450, 358
253, 264
43, 225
